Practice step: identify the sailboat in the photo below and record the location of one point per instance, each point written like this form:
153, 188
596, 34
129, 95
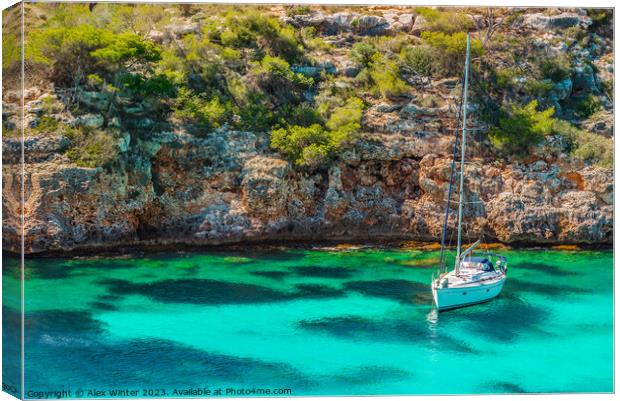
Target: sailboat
474, 279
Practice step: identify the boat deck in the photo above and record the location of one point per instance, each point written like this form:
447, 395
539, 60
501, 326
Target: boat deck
472, 278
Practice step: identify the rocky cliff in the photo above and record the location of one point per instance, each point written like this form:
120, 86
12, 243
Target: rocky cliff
229, 186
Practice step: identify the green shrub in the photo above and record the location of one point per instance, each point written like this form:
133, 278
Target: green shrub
277, 67
448, 22
303, 114
587, 146
428, 101
254, 115
51, 105
385, 76
252, 28
73, 52
333, 94
137, 18
391, 45
11, 51
505, 77
347, 117
574, 33
429, 14
314, 42
274, 78
522, 127
92, 149
46, 125
298, 10
602, 19
452, 50
205, 113
363, 53
608, 88
312, 146
315, 155
294, 140
556, 69
538, 88
453, 44
587, 106
594, 149
419, 60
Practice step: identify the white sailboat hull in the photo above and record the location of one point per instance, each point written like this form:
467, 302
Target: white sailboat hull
456, 297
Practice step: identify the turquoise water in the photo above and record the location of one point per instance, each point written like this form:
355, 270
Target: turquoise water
317, 322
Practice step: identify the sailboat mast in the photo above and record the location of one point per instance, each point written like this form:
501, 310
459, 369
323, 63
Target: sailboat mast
462, 175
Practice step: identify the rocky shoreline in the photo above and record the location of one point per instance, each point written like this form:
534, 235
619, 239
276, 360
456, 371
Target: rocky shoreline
331, 245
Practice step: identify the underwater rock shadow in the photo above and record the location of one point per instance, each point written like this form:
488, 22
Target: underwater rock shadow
272, 274
157, 363
109, 297
80, 341
504, 387
384, 330
214, 292
51, 270
502, 319
324, 272
517, 285
103, 306
397, 290
545, 268
365, 375
56, 321
11, 347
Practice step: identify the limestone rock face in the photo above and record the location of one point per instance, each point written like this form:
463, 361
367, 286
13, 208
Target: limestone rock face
419, 24
400, 22
229, 187
552, 22
333, 24
265, 189
371, 25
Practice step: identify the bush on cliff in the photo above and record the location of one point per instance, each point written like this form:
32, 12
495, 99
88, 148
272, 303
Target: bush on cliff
587, 146
313, 146
196, 109
382, 77
451, 51
46, 125
90, 148
386, 79
274, 79
587, 105
298, 10
250, 28
305, 146
522, 127
11, 51
363, 53
444, 21
347, 117
71, 53
418, 60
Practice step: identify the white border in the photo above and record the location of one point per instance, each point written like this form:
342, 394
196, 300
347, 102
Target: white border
513, 3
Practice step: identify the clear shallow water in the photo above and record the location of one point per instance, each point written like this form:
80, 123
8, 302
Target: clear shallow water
317, 322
